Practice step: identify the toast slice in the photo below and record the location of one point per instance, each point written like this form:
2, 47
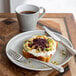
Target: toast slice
41, 48
28, 55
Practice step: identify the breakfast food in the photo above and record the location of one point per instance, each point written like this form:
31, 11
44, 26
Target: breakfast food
40, 47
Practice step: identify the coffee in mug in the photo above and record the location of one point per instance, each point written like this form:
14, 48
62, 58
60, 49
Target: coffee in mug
27, 12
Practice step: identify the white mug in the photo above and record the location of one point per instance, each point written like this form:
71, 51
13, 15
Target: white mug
28, 21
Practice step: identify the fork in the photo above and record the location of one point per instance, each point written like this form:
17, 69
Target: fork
55, 37
17, 56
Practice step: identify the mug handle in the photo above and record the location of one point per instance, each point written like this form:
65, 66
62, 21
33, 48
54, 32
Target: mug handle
42, 12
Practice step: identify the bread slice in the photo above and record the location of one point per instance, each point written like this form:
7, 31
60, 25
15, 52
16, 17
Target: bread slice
29, 55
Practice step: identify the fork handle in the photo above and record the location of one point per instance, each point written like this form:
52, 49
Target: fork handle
57, 67
70, 49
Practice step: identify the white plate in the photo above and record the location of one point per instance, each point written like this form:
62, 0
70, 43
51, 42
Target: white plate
16, 43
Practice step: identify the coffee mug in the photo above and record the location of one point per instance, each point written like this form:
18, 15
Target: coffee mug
28, 15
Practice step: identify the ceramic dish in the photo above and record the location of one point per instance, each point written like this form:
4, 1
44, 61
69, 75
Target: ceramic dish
61, 56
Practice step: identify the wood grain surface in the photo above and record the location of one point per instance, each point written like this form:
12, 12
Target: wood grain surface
9, 27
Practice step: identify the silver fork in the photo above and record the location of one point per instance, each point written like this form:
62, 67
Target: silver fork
55, 37
19, 57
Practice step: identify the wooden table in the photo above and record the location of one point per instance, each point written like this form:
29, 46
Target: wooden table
9, 27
